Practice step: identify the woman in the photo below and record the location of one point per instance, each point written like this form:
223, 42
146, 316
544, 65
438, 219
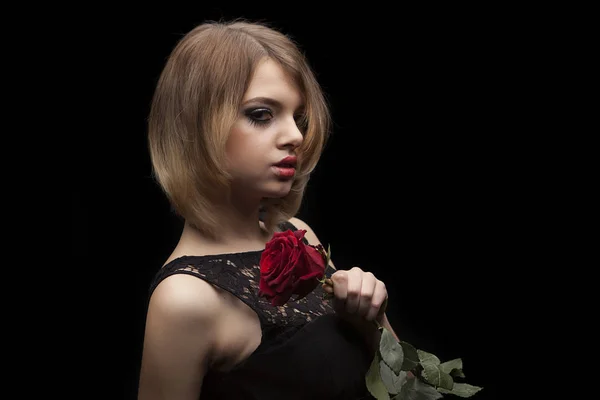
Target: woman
237, 124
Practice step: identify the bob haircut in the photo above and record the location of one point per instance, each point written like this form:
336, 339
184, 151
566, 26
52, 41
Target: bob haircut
196, 102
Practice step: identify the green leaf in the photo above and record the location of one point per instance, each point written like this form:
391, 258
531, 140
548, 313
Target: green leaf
435, 376
453, 367
374, 382
328, 255
392, 382
462, 390
411, 357
414, 389
432, 373
391, 351
428, 358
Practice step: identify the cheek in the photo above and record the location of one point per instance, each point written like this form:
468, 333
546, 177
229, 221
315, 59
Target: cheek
245, 153
234, 141
237, 149
243, 138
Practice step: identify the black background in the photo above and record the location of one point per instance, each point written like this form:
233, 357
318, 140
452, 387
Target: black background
424, 181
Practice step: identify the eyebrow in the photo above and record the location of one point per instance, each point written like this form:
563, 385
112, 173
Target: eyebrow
270, 101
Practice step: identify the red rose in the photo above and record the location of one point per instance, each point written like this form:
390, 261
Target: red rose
288, 266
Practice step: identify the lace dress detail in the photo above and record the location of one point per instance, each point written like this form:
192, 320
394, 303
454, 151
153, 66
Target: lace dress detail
304, 333
239, 274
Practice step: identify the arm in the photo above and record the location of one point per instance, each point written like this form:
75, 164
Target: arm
179, 339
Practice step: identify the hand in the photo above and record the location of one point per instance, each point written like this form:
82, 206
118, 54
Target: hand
358, 296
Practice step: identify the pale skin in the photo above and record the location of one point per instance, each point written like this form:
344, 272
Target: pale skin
192, 326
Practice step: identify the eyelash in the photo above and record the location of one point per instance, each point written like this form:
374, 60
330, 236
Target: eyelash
251, 115
254, 120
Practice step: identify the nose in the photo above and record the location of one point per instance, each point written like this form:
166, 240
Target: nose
291, 136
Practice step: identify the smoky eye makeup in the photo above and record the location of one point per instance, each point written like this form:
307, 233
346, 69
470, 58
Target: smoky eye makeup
264, 115
259, 115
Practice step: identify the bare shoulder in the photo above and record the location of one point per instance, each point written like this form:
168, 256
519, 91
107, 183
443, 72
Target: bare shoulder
180, 338
310, 234
185, 297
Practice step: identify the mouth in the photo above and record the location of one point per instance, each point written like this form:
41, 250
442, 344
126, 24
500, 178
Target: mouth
287, 162
285, 171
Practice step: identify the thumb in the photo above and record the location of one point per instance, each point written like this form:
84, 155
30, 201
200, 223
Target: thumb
340, 277
328, 285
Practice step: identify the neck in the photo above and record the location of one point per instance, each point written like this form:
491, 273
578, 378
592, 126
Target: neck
239, 225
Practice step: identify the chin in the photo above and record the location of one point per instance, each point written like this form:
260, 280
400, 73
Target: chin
278, 191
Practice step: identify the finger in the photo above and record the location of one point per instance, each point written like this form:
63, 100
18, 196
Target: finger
367, 292
340, 289
379, 296
328, 289
328, 285
353, 291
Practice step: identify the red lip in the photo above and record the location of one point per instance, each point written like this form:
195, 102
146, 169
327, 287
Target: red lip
289, 161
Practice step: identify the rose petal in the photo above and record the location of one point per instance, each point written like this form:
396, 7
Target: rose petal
316, 258
306, 285
299, 235
288, 266
265, 290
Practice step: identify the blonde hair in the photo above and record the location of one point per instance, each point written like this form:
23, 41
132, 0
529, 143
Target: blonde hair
197, 100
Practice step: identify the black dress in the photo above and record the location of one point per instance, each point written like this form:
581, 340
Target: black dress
306, 350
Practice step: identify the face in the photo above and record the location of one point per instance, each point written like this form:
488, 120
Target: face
265, 134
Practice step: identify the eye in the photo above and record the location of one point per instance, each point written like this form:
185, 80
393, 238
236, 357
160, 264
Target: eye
259, 116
